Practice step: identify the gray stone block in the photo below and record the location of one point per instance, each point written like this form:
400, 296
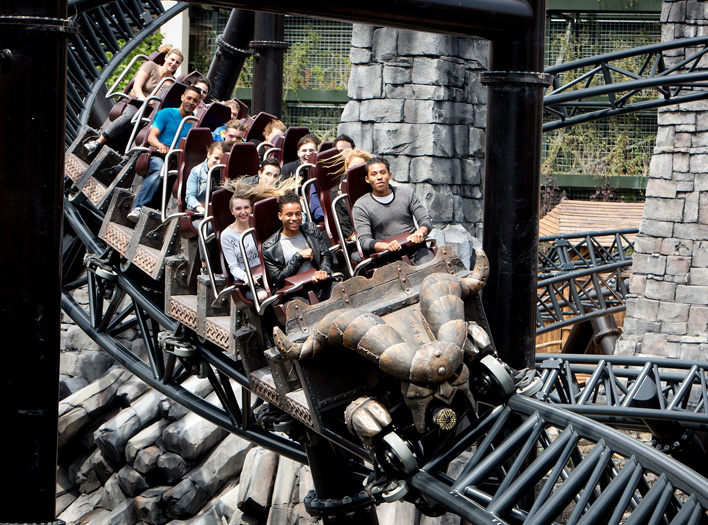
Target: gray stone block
131, 390
640, 326
694, 351
404, 91
480, 117
358, 55
112, 436
637, 284
438, 72
400, 168
397, 74
674, 12
366, 82
475, 92
71, 385
694, 11
698, 276
649, 264
665, 136
227, 503
413, 140
676, 247
475, 50
397, 513
696, 232
699, 163
75, 339
692, 139
681, 162
700, 254
385, 44
430, 44
661, 188
697, 320
381, 110
435, 170
673, 328
362, 35
678, 265
656, 228
673, 312
691, 208
123, 513
351, 112
647, 244
670, 210
661, 166
438, 200
692, 294
476, 141
472, 175
434, 92
646, 309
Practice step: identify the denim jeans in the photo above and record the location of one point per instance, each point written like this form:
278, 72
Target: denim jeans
152, 182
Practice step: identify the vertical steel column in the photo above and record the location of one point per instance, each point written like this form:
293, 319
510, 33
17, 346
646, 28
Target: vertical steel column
515, 85
33, 65
231, 53
268, 50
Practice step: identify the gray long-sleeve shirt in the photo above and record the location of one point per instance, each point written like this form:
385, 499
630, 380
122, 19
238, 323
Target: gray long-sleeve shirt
374, 221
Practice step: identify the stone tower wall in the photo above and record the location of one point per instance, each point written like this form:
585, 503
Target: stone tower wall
667, 310
415, 99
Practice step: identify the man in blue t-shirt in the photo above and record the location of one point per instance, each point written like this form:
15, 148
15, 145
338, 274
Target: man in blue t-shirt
162, 134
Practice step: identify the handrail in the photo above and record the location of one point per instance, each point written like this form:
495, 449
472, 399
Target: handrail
112, 91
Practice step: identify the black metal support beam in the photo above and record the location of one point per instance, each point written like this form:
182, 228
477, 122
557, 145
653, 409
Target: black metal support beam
231, 53
515, 86
268, 51
485, 18
33, 37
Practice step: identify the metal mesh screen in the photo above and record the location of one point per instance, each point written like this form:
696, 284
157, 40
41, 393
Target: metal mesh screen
618, 146
320, 119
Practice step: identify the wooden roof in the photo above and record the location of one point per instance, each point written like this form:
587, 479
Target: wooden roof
571, 216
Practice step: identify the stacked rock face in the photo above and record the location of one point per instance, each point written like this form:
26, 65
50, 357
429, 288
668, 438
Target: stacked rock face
415, 99
129, 455
667, 311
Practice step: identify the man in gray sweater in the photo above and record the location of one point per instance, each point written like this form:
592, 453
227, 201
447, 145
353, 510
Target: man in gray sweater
388, 212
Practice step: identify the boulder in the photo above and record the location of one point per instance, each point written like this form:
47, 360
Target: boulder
82, 506
192, 436
146, 459
77, 411
131, 481
113, 495
257, 481
149, 508
184, 499
224, 462
227, 501
146, 437
172, 467
112, 436
123, 514
284, 503
397, 513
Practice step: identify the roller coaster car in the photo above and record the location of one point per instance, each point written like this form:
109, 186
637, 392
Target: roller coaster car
403, 355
